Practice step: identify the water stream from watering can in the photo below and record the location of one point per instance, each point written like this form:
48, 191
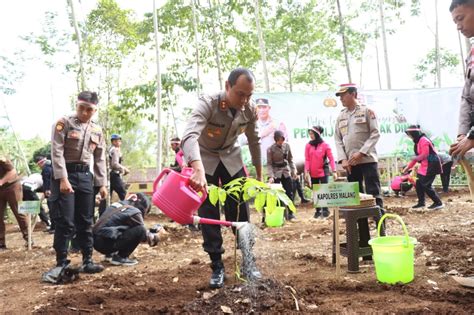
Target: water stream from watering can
246, 241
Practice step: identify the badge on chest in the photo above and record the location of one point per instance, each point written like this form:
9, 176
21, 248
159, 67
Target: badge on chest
73, 134
343, 127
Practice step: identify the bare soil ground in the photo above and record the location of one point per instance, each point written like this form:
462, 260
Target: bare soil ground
295, 260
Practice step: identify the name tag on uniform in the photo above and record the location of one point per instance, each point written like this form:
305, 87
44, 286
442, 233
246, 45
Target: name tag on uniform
73, 134
360, 120
343, 127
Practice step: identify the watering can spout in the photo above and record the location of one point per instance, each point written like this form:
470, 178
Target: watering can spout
239, 225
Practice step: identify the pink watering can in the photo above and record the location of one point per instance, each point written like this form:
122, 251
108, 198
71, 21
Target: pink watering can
179, 201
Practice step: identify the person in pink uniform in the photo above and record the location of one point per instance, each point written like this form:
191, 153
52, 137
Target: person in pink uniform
402, 184
318, 158
430, 166
179, 155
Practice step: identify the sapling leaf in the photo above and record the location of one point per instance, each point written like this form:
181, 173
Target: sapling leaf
260, 201
213, 195
252, 191
271, 202
222, 196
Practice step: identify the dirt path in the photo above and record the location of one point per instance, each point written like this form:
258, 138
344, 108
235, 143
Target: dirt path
295, 260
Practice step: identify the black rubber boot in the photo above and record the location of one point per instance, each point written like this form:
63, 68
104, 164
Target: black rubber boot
218, 274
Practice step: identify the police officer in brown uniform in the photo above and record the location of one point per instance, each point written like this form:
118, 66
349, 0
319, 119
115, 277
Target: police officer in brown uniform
11, 193
280, 165
211, 148
356, 135
116, 167
76, 139
462, 12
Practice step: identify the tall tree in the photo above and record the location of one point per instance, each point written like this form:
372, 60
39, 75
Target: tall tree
81, 71
384, 40
344, 41
429, 66
261, 44
196, 44
158, 89
437, 49
300, 38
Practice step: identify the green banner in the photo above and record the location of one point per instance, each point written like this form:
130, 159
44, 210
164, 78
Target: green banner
336, 194
32, 207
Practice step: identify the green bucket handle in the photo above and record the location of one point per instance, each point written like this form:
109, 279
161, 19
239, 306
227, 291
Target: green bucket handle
386, 215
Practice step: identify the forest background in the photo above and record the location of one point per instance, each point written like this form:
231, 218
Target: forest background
51, 50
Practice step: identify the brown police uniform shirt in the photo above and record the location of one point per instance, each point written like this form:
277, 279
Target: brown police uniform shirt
5, 167
467, 100
115, 155
75, 142
357, 131
280, 161
211, 134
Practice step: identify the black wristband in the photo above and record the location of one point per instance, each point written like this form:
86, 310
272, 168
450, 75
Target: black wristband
470, 135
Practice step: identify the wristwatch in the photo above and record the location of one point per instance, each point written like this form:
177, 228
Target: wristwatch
470, 135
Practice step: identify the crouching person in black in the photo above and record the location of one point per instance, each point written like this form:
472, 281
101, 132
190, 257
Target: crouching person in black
120, 229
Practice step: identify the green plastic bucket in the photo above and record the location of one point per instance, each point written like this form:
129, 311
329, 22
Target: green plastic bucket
275, 218
393, 255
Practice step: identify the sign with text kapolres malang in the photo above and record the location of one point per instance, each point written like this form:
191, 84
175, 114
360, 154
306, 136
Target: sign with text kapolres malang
336, 194
31, 206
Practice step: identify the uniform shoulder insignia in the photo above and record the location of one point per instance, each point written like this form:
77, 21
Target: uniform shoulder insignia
60, 125
371, 113
223, 105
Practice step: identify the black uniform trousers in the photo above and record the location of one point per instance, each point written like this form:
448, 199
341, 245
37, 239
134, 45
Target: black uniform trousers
212, 233
320, 180
73, 214
367, 175
287, 183
29, 195
424, 185
125, 244
297, 188
116, 184
446, 176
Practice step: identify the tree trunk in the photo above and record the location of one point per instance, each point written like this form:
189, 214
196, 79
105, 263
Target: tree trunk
385, 50
344, 42
216, 48
437, 50
196, 46
378, 63
288, 65
158, 89
82, 76
261, 44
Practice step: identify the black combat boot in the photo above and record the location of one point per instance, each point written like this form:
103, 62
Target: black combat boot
218, 274
61, 259
88, 266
